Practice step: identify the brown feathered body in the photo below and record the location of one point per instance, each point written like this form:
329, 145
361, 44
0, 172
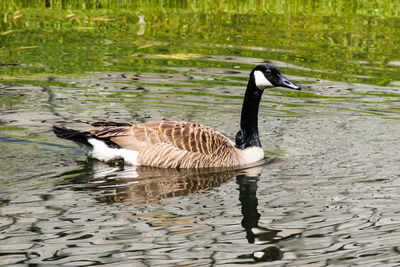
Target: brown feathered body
170, 144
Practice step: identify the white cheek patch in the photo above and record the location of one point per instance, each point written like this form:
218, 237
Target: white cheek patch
102, 152
261, 81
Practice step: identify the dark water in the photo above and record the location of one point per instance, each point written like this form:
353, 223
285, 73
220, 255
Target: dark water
331, 199
327, 194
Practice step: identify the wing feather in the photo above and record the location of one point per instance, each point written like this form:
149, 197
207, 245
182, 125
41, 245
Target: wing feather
171, 143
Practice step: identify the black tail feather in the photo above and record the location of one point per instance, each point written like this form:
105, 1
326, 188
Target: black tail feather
73, 135
80, 137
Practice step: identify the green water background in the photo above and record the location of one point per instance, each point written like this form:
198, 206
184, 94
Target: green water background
353, 41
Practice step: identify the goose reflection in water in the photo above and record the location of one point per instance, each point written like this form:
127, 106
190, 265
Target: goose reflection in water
248, 198
143, 184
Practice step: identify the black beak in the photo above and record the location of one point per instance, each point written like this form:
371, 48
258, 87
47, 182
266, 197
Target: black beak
284, 82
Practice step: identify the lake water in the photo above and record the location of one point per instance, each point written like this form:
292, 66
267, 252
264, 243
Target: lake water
327, 194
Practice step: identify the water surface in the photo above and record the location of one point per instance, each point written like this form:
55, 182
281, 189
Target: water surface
327, 194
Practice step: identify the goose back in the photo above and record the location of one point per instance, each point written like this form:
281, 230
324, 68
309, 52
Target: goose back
170, 144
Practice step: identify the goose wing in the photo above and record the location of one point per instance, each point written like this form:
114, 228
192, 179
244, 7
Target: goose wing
170, 143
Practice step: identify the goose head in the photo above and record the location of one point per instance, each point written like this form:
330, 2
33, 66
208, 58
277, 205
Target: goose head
267, 75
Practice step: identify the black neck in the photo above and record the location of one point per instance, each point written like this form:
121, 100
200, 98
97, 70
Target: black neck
248, 133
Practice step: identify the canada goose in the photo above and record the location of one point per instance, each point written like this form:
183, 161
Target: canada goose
179, 144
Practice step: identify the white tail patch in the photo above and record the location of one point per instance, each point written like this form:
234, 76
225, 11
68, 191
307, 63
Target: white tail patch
102, 152
261, 81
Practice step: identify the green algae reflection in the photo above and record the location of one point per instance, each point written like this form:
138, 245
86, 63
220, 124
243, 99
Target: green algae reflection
342, 40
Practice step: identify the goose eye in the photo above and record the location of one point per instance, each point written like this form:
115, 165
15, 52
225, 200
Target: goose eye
268, 72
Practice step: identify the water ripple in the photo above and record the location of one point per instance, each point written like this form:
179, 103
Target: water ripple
331, 200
